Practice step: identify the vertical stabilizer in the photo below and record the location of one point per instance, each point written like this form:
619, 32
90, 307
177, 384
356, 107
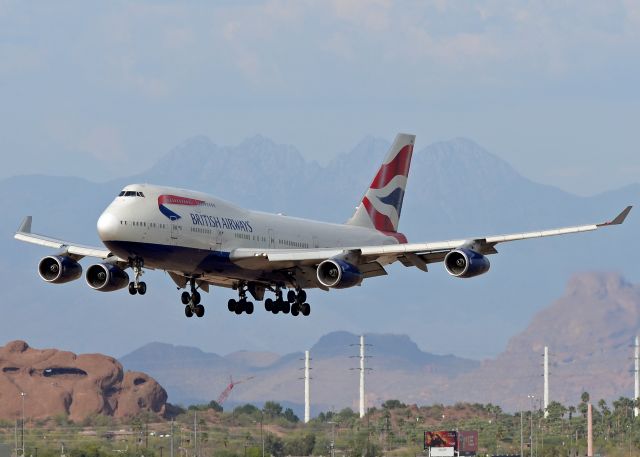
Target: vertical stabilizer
381, 206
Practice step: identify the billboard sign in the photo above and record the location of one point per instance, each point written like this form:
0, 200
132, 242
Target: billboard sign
441, 438
467, 443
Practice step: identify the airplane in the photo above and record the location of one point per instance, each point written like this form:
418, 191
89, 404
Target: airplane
202, 241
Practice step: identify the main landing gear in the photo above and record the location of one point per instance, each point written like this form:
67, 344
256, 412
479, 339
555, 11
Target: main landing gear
241, 305
295, 303
137, 286
192, 301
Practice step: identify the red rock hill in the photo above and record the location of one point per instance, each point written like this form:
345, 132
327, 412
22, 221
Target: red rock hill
60, 382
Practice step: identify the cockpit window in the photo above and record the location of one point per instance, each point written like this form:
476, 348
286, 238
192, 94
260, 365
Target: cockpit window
130, 193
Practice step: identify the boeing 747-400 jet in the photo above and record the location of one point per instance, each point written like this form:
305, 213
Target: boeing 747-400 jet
201, 240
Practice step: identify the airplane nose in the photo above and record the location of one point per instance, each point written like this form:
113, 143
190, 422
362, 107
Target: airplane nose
108, 226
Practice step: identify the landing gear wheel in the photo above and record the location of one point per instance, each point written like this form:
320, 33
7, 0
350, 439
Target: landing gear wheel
199, 310
291, 296
132, 288
231, 305
195, 298
239, 307
142, 288
302, 296
249, 308
185, 298
286, 307
268, 304
188, 311
305, 309
295, 309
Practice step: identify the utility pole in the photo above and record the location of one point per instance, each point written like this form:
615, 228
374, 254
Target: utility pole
636, 384
532, 397
171, 449
333, 439
362, 369
195, 433
22, 394
546, 381
589, 431
307, 398
521, 434
362, 407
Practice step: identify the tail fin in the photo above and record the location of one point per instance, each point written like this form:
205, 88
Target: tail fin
381, 205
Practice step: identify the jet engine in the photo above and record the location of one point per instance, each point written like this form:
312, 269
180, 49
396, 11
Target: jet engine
59, 269
338, 274
465, 263
106, 277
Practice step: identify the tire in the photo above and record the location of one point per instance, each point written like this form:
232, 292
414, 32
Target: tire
249, 308
286, 307
195, 298
188, 311
305, 308
142, 288
291, 296
231, 305
302, 296
199, 310
268, 304
295, 309
185, 298
132, 288
240, 307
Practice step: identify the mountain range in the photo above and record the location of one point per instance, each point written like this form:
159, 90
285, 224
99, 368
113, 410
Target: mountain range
456, 189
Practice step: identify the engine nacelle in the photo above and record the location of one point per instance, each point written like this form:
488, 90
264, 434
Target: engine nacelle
106, 277
59, 269
465, 263
338, 274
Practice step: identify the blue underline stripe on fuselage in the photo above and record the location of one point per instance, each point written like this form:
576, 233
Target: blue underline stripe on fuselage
186, 259
170, 214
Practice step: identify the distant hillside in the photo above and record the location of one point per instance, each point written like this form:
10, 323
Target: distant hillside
590, 331
398, 365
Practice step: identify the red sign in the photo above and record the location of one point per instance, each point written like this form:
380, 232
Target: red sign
440, 439
467, 443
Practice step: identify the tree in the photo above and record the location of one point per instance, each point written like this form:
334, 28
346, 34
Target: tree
393, 404
273, 445
214, 405
272, 409
248, 409
290, 415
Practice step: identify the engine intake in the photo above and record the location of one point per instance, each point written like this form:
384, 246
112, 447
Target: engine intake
338, 274
59, 269
106, 277
465, 263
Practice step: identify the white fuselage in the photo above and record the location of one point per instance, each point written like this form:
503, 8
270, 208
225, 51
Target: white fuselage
192, 233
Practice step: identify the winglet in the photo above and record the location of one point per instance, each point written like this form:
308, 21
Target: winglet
619, 219
25, 227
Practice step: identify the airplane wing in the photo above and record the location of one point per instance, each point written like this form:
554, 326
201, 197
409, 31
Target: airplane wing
371, 259
73, 250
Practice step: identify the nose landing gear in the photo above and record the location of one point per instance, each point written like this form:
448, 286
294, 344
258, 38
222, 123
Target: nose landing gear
137, 286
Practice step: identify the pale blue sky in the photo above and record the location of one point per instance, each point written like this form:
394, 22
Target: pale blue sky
102, 89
